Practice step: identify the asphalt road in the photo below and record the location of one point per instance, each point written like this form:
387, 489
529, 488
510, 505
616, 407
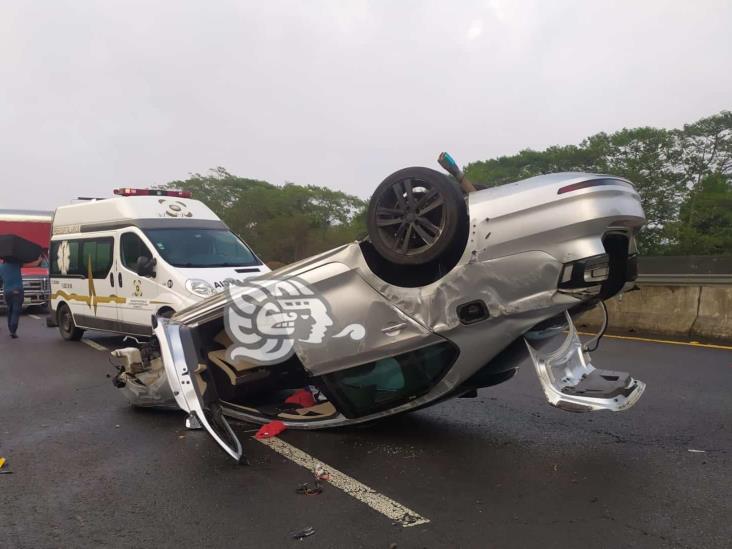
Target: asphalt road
502, 470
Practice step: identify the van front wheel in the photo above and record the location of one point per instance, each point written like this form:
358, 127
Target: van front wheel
69, 331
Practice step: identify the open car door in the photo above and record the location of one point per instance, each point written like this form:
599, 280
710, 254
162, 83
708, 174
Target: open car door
192, 385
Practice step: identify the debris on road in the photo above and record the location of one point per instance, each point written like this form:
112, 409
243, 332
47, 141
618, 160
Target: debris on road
271, 429
307, 490
4, 470
697, 451
321, 473
304, 533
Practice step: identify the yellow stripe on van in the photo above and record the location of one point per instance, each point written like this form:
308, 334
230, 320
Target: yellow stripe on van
88, 299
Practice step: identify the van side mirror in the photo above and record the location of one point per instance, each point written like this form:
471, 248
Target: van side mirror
146, 266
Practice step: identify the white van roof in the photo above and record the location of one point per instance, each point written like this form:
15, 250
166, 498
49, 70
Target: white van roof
123, 211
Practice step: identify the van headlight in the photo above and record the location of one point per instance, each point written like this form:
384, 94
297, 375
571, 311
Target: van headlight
199, 287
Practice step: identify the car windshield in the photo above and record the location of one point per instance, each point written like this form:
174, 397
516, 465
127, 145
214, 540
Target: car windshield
188, 247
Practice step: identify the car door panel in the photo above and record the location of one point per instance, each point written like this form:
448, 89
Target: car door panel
192, 385
384, 329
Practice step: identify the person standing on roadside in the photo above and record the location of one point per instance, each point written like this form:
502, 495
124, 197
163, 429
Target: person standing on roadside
13, 291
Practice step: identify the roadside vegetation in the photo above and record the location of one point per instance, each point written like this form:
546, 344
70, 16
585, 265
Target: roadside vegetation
684, 177
283, 223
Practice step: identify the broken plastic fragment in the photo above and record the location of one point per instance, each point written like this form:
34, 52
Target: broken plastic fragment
4, 470
304, 533
271, 429
321, 473
303, 397
307, 490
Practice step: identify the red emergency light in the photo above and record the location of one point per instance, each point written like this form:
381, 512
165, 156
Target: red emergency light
128, 191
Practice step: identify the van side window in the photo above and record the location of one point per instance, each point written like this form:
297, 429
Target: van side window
65, 258
133, 247
97, 256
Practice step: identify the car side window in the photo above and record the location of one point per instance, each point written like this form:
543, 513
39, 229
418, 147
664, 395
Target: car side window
389, 382
132, 247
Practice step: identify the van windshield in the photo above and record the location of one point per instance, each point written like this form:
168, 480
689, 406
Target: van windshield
191, 248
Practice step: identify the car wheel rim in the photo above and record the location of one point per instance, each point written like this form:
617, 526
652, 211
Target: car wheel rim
410, 216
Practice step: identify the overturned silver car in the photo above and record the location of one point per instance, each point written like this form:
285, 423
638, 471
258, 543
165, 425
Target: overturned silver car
449, 293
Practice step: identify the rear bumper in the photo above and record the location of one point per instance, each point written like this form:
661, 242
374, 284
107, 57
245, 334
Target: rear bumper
570, 381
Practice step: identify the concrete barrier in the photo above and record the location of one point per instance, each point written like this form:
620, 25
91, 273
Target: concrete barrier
714, 318
688, 312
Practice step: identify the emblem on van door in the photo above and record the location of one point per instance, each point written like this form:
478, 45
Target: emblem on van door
265, 318
137, 285
174, 208
63, 256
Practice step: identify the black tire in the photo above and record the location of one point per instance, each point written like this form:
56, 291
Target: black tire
66, 326
415, 216
166, 312
40, 309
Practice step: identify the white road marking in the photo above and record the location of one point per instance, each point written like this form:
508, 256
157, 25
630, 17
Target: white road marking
94, 345
378, 502
35, 316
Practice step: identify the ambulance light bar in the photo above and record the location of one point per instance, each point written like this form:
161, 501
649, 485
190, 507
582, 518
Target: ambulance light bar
127, 191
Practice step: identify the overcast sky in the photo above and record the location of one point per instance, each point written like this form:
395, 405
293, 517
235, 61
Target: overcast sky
97, 95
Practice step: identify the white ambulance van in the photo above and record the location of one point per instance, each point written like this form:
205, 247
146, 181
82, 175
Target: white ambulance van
116, 262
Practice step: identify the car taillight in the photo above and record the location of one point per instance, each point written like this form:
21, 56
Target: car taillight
128, 191
586, 272
593, 183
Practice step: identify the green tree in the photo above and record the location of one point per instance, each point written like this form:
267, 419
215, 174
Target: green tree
649, 158
219, 189
666, 167
705, 225
282, 223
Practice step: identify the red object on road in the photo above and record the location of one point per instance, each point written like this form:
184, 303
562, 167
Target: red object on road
272, 429
303, 397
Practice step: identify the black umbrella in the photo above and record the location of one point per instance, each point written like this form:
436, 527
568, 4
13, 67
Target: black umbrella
15, 249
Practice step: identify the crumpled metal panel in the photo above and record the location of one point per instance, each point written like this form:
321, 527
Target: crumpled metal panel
567, 366
387, 331
149, 388
517, 284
